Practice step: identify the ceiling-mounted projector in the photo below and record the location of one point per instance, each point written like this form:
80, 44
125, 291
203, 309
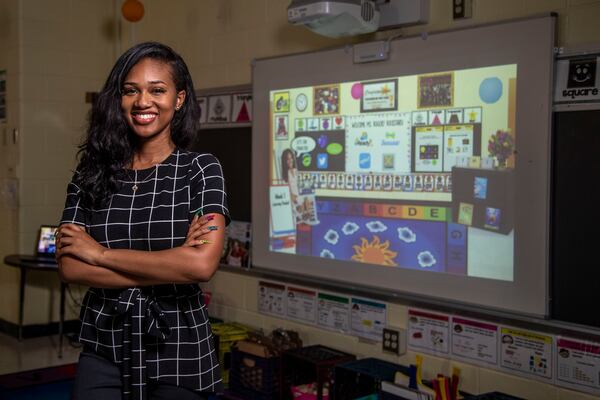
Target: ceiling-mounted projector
335, 18
338, 18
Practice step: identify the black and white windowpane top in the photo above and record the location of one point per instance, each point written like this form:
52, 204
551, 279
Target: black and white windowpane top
161, 332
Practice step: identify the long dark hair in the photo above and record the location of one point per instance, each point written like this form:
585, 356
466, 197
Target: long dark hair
284, 167
109, 144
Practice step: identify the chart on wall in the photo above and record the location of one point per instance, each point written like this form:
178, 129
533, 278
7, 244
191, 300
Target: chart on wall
413, 172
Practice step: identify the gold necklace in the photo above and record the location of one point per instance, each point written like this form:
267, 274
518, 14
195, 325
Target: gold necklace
135, 186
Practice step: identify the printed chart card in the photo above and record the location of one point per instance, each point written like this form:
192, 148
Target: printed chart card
242, 107
578, 364
333, 312
526, 353
301, 304
474, 341
219, 109
428, 332
271, 298
368, 318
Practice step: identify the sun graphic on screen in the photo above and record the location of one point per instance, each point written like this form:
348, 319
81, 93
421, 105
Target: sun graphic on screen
374, 252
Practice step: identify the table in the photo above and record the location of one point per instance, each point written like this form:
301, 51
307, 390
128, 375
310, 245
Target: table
15, 260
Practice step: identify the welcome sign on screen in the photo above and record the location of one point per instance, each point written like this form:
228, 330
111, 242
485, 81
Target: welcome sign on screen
412, 172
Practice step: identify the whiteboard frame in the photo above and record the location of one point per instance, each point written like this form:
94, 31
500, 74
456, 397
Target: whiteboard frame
527, 42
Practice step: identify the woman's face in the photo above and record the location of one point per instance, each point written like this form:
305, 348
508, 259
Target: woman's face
289, 159
150, 98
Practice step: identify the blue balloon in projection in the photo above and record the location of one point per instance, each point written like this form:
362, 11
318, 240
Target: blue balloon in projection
490, 90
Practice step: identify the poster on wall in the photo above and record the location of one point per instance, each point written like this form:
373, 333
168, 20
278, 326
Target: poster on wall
428, 332
333, 312
577, 80
578, 364
526, 353
368, 318
302, 304
242, 107
271, 298
474, 341
219, 109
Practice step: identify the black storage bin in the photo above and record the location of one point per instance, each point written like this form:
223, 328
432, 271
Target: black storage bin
254, 377
363, 377
311, 364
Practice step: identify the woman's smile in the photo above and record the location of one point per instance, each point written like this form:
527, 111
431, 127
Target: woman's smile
143, 118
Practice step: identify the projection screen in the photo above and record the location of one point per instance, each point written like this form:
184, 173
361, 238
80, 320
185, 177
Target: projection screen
423, 175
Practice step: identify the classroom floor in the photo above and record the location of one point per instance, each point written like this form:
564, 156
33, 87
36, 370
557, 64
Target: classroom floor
33, 353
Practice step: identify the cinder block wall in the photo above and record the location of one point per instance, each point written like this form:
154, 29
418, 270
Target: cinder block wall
58, 50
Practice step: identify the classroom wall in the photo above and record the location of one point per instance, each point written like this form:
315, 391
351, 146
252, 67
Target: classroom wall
66, 48
9, 221
57, 50
234, 298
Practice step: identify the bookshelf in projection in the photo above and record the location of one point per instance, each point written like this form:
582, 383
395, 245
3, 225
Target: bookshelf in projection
407, 172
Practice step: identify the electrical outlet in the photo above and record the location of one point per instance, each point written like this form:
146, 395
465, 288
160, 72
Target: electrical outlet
391, 340
462, 9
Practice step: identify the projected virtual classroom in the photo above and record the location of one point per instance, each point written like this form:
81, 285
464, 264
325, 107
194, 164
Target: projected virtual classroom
411, 172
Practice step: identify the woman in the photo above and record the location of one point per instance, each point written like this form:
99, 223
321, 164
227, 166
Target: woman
144, 221
289, 173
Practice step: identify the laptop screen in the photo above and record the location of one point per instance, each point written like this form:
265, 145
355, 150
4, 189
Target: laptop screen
46, 244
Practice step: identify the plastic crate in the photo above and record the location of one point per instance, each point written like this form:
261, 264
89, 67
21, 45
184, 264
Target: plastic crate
311, 364
255, 377
363, 377
226, 334
299, 394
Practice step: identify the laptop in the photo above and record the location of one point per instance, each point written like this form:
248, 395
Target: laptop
45, 248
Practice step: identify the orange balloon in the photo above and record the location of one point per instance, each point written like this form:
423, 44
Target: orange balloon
132, 10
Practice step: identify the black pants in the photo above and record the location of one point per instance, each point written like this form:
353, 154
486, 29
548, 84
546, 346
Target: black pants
100, 379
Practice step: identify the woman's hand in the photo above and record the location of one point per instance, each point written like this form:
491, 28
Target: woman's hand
199, 227
73, 239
